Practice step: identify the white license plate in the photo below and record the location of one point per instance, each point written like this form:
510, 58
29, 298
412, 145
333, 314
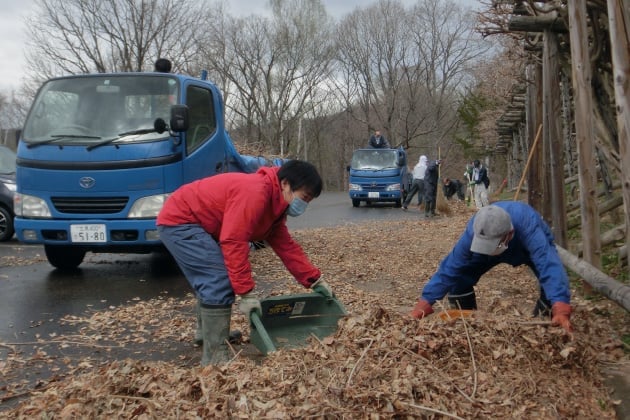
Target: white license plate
88, 233
373, 194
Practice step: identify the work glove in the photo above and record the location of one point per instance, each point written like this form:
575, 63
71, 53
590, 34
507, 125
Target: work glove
323, 288
249, 302
560, 313
422, 309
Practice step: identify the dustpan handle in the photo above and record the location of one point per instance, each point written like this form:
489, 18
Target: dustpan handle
255, 318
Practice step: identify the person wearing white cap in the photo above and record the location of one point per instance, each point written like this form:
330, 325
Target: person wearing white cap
505, 232
418, 182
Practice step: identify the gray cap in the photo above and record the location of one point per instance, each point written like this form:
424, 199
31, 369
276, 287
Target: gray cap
491, 224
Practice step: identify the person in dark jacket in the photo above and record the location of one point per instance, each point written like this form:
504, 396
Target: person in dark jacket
505, 232
452, 187
430, 187
208, 225
377, 141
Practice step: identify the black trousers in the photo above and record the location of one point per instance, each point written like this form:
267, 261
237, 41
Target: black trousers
416, 187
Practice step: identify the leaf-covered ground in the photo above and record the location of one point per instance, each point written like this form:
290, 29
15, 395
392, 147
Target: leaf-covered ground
500, 363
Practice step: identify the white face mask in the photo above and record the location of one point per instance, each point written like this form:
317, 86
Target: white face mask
501, 248
297, 207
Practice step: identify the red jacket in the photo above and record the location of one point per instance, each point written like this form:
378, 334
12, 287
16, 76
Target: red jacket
237, 208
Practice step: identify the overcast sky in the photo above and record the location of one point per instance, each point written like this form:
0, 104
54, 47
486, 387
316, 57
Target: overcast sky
13, 15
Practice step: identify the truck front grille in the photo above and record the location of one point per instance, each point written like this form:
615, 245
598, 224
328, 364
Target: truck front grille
375, 187
82, 205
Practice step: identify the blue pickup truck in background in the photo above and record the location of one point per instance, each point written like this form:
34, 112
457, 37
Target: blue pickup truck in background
100, 153
378, 175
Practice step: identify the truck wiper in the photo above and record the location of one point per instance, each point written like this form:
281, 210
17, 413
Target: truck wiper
58, 137
139, 131
102, 143
121, 135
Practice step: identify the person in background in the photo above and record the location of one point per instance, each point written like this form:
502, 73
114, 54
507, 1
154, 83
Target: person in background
508, 232
377, 141
480, 181
208, 225
418, 182
430, 187
452, 187
470, 194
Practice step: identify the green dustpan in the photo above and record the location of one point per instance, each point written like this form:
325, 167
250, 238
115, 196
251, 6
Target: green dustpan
289, 320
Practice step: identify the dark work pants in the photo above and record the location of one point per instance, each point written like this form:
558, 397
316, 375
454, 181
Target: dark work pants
416, 187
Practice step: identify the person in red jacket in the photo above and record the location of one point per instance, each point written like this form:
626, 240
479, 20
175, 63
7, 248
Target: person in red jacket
208, 225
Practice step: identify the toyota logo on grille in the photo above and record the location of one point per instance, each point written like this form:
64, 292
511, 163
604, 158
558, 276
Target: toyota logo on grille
87, 182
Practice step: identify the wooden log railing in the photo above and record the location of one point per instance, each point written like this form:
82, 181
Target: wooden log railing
607, 286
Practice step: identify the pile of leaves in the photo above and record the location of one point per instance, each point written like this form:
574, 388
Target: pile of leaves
380, 363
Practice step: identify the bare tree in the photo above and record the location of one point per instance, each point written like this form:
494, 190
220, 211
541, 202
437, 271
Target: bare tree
13, 110
272, 68
83, 36
407, 66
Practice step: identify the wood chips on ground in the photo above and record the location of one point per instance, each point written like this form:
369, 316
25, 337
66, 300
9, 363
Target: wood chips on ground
380, 364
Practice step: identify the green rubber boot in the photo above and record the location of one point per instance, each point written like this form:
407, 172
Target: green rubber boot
215, 329
198, 340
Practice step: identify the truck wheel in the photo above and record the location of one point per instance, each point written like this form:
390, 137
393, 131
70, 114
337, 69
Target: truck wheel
355, 202
6, 225
398, 203
64, 257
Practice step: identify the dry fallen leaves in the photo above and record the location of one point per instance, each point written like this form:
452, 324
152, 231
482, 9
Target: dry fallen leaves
497, 363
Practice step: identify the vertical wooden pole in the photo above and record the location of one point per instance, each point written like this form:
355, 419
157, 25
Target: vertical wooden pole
552, 112
581, 74
619, 24
534, 120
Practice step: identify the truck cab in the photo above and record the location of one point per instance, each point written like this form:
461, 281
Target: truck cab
100, 153
378, 175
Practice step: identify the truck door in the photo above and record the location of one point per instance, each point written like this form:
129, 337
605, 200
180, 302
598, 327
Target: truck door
204, 144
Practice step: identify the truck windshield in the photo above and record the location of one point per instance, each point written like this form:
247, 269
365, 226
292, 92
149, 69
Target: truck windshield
85, 110
375, 159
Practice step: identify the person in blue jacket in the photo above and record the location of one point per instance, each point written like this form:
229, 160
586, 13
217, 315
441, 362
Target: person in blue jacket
505, 232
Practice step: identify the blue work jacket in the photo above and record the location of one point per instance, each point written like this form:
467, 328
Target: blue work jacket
532, 244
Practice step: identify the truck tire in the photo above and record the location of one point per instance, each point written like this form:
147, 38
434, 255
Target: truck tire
6, 225
398, 203
64, 257
355, 202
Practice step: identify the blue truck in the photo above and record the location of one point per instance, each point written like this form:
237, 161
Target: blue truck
100, 153
378, 175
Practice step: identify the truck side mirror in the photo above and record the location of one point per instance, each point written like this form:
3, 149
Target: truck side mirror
179, 118
348, 168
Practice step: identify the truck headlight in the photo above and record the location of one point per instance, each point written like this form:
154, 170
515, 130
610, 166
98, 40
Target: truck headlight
147, 207
355, 187
30, 206
393, 187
